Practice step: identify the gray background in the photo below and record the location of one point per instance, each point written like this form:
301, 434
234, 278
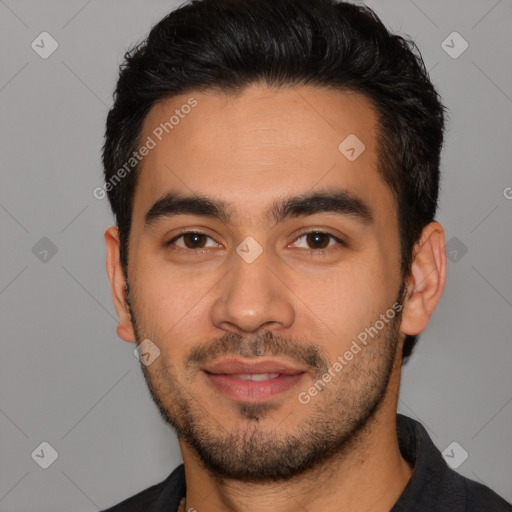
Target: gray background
65, 377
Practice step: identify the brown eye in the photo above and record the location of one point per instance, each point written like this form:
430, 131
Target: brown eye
317, 240
191, 240
194, 240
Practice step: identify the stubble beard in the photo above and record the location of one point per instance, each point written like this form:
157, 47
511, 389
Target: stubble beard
335, 420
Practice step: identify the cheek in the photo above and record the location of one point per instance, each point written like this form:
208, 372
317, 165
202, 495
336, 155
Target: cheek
332, 306
169, 303
350, 299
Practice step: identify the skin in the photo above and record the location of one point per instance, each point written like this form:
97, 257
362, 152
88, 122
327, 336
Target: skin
250, 150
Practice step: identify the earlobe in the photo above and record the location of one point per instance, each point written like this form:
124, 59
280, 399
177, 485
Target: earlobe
426, 280
118, 284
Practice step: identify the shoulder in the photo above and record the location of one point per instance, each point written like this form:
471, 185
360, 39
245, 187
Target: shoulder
165, 495
139, 502
479, 497
433, 484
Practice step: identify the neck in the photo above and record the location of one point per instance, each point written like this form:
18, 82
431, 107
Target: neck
368, 475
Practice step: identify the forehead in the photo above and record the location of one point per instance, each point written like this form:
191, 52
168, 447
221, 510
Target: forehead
250, 148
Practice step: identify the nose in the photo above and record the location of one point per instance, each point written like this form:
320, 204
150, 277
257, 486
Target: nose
252, 298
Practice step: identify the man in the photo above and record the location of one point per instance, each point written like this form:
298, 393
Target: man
273, 168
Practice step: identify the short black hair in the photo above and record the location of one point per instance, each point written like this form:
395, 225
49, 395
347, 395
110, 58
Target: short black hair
227, 45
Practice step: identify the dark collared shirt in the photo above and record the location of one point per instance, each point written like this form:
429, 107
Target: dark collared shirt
433, 487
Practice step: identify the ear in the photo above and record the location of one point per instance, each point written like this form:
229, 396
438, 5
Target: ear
426, 280
118, 284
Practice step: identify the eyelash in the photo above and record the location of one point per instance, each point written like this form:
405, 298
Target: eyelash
312, 232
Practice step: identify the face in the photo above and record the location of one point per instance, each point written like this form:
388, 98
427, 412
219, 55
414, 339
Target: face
261, 253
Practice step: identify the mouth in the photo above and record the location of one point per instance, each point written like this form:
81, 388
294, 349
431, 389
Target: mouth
252, 382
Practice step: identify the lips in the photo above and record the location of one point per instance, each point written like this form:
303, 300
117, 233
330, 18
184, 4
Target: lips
235, 366
258, 377
252, 381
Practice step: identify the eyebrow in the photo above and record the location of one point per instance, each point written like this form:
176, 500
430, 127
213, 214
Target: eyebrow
340, 202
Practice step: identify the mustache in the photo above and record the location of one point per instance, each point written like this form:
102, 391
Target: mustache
267, 343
